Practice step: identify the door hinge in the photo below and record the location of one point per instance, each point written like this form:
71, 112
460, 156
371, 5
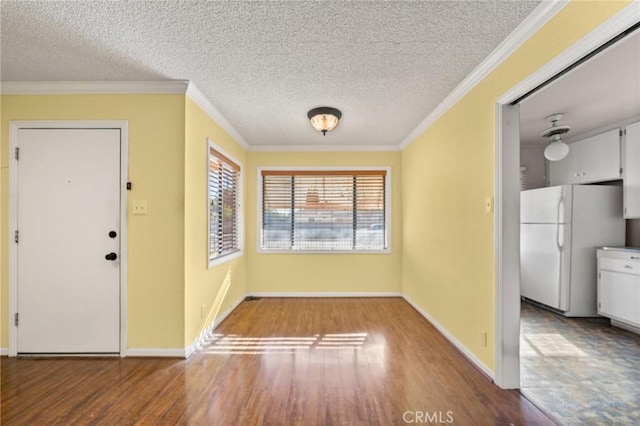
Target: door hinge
17, 153
16, 319
16, 236
621, 170
620, 132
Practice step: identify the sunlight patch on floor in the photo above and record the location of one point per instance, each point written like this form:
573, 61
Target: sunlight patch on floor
553, 344
218, 344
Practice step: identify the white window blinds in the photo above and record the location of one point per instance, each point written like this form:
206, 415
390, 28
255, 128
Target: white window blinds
224, 177
318, 210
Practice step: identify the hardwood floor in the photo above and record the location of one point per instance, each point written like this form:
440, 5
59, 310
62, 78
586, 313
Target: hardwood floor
365, 361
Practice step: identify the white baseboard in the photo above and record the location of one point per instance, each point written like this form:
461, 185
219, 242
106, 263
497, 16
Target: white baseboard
198, 342
625, 326
4, 351
155, 352
455, 342
325, 294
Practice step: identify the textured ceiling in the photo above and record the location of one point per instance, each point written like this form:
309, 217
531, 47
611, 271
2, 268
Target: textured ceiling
263, 65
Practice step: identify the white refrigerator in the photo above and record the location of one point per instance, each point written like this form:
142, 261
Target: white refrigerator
561, 227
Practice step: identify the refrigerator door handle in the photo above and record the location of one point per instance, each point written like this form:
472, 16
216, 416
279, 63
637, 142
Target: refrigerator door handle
560, 208
560, 244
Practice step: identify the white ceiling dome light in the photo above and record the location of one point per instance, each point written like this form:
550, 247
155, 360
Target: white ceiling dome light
556, 150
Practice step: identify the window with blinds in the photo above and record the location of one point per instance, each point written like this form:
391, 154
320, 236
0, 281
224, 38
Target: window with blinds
324, 210
224, 205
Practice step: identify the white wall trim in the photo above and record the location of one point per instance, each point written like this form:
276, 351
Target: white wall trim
296, 294
536, 20
92, 87
455, 342
387, 208
239, 201
4, 351
507, 220
198, 343
198, 97
123, 88
124, 235
506, 225
156, 353
322, 148
14, 127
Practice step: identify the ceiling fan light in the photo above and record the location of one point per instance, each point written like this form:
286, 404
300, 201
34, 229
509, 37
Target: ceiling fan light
556, 150
324, 119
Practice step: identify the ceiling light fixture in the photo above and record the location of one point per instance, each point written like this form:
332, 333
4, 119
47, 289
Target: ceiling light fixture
556, 150
324, 119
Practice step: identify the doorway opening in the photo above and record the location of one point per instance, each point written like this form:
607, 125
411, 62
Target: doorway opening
507, 190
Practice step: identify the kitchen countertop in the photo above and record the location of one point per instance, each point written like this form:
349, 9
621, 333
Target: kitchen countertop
629, 249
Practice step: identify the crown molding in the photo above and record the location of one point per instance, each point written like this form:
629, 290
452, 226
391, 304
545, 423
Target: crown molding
201, 100
92, 87
536, 20
322, 148
184, 87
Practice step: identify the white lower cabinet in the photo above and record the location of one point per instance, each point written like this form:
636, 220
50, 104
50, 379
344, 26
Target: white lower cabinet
619, 285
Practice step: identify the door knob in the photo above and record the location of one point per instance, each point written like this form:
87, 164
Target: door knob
113, 234
111, 256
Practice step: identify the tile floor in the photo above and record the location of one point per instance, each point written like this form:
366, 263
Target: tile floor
582, 371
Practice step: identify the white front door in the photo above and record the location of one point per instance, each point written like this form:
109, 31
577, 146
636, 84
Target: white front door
68, 221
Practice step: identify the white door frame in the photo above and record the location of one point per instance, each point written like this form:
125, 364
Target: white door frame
14, 127
507, 194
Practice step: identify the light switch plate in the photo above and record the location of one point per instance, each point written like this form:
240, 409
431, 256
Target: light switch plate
488, 205
139, 207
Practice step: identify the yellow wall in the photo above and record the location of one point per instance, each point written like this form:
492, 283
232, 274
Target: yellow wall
208, 292
315, 272
448, 172
156, 168
442, 238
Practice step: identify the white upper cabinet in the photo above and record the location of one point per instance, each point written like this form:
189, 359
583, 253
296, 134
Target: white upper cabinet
594, 159
600, 157
631, 170
566, 171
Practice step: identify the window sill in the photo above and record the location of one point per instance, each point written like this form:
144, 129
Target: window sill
224, 258
327, 252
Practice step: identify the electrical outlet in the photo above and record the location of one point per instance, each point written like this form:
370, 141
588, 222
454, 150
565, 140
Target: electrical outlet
139, 207
483, 338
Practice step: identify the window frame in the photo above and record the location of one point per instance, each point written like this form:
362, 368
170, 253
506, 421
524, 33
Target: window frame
225, 157
324, 169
